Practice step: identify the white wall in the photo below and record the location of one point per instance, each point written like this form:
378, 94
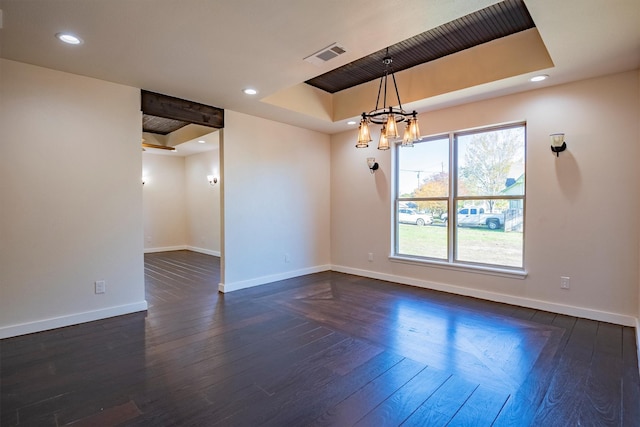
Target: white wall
70, 199
203, 202
582, 208
164, 202
275, 200
181, 209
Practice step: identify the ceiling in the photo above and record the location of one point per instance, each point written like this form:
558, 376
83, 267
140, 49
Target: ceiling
209, 51
186, 142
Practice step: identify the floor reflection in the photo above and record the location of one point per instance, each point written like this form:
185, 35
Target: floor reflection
497, 350
479, 346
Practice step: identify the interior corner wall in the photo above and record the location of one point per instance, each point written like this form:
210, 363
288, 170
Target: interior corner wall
275, 200
582, 208
70, 199
203, 202
164, 202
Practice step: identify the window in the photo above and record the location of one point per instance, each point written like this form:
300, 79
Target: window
468, 190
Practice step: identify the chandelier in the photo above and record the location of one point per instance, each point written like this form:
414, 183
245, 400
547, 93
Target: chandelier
388, 117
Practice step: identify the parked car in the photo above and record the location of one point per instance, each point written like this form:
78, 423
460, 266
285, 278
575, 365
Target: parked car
410, 216
476, 217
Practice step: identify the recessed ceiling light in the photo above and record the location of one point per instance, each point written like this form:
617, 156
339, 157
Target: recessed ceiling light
539, 78
250, 91
202, 141
69, 38
351, 122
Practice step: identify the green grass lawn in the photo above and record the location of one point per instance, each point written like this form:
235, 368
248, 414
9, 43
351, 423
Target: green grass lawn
481, 245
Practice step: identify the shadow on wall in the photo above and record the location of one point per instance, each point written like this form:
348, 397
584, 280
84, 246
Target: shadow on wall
568, 175
382, 184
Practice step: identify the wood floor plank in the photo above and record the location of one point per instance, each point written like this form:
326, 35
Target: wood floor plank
404, 402
367, 398
568, 388
609, 339
481, 409
603, 392
521, 407
246, 372
630, 379
310, 404
108, 417
443, 404
284, 388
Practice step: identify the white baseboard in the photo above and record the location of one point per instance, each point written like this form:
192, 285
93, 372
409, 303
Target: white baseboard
165, 249
587, 313
230, 287
182, 248
203, 251
72, 319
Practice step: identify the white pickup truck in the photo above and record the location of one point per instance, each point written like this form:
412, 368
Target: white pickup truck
476, 217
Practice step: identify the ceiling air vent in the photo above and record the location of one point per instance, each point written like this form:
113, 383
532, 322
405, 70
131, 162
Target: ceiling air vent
324, 55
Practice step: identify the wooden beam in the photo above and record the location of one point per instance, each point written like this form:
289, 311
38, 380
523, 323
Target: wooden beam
160, 147
169, 107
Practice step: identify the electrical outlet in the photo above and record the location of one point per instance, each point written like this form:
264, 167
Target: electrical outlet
565, 282
370, 256
287, 258
101, 286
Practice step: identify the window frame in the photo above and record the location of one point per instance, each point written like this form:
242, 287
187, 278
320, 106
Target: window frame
452, 200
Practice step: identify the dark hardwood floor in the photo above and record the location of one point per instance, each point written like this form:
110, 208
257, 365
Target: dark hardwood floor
326, 349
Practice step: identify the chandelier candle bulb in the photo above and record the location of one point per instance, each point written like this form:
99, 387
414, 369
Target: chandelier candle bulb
364, 137
406, 139
415, 129
391, 127
383, 144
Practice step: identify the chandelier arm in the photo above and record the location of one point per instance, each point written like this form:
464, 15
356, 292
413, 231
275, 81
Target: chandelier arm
396, 86
386, 75
378, 97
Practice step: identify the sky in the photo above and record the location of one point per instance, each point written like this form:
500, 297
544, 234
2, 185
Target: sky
423, 159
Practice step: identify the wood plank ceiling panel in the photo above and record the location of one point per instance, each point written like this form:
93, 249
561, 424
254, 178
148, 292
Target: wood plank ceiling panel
160, 125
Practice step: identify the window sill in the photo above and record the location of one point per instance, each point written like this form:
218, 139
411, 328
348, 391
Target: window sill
468, 268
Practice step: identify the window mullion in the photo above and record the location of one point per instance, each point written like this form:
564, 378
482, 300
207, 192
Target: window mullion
453, 174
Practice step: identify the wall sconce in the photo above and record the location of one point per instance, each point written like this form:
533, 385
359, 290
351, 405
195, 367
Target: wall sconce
144, 179
557, 143
212, 180
373, 166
